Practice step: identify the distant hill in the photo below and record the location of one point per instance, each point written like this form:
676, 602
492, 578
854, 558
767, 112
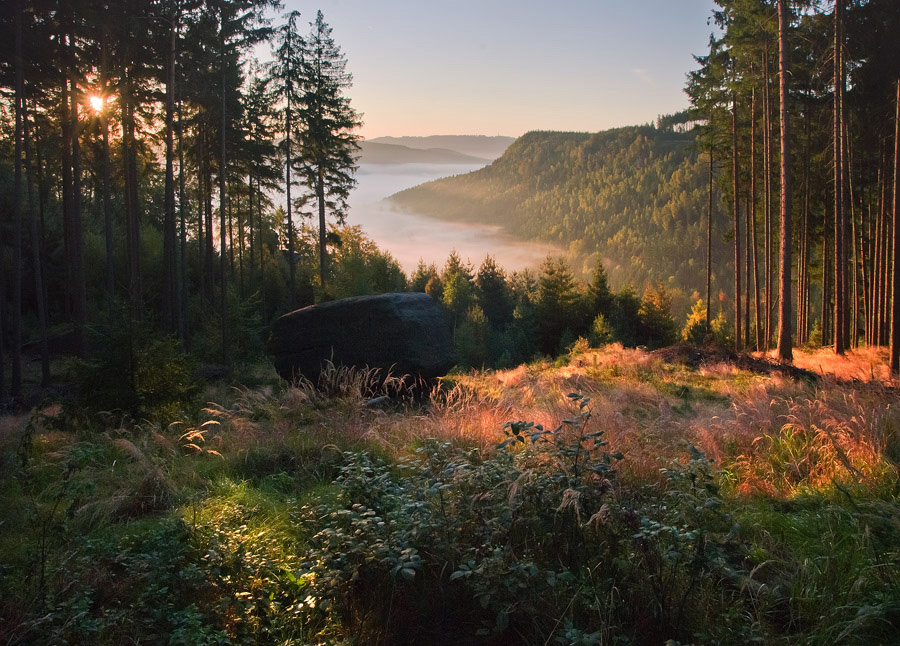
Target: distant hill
379, 153
489, 148
634, 196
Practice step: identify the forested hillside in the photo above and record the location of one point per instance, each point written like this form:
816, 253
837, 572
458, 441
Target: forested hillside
636, 196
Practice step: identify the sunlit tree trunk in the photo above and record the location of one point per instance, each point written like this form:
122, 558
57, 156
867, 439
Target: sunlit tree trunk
785, 351
767, 202
895, 283
840, 260
752, 221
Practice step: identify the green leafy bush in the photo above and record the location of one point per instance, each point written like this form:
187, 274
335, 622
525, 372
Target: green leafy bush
137, 373
529, 543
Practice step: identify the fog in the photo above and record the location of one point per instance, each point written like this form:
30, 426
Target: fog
410, 236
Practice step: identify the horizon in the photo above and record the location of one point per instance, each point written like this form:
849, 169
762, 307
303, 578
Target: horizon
499, 68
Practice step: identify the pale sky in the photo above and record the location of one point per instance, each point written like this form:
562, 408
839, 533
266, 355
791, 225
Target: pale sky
504, 67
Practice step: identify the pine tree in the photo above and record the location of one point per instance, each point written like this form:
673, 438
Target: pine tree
285, 77
327, 142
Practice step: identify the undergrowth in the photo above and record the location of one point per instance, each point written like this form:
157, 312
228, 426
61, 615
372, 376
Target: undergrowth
701, 506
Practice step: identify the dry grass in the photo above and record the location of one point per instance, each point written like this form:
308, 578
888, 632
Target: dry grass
770, 434
862, 364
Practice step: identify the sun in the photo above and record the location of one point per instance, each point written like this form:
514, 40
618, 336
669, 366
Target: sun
97, 103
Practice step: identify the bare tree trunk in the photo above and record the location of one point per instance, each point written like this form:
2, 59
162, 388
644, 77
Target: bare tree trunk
785, 351
290, 219
752, 219
170, 300
737, 224
878, 273
840, 261
107, 200
803, 288
202, 166
323, 252
895, 283
767, 188
853, 306
132, 217
748, 223
223, 202
40, 297
250, 226
77, 278
15, 383
240, 247
709, 242
182, 264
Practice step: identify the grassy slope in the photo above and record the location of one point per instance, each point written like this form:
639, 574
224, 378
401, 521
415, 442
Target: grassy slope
198, 532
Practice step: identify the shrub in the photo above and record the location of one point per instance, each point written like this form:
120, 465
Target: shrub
137, 373
695, 330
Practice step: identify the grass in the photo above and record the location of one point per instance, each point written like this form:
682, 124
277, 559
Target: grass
200, 529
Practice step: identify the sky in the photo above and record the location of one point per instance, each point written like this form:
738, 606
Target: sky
504, 67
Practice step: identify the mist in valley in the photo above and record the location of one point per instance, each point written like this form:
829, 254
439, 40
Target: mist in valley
409, 236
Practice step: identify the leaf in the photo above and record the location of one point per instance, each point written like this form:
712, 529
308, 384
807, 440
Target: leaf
408, 573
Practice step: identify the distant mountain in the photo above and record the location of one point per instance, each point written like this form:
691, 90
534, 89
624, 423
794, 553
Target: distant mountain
379, 153
635, 197
489, 148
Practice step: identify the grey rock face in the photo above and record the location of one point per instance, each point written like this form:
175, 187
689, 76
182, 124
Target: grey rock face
402, 333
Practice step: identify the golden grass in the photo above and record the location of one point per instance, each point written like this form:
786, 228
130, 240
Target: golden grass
770, 434
862, 364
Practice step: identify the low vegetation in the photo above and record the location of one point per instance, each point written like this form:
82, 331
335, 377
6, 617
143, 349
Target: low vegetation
614, 496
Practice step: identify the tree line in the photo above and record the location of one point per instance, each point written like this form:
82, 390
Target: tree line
142, 142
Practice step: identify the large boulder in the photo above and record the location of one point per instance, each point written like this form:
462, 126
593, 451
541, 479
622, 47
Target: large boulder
403, 334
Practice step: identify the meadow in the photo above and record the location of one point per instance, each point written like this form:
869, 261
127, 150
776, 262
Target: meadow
614, 496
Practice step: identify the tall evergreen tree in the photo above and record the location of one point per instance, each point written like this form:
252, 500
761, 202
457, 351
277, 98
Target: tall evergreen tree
286, 78
327, 142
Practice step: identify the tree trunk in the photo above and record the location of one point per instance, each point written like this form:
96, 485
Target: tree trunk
840, 261
170, 301
290, 219
323, 252
76, 278
752, 219
895, 283
15, 383
107, 199
250, 225
709, 242
785, 351
748, 215
132, 218
182, 264
767, 189
223, 205
37, 256
737, 224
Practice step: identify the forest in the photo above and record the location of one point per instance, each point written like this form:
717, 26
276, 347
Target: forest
653, 203
685, 431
